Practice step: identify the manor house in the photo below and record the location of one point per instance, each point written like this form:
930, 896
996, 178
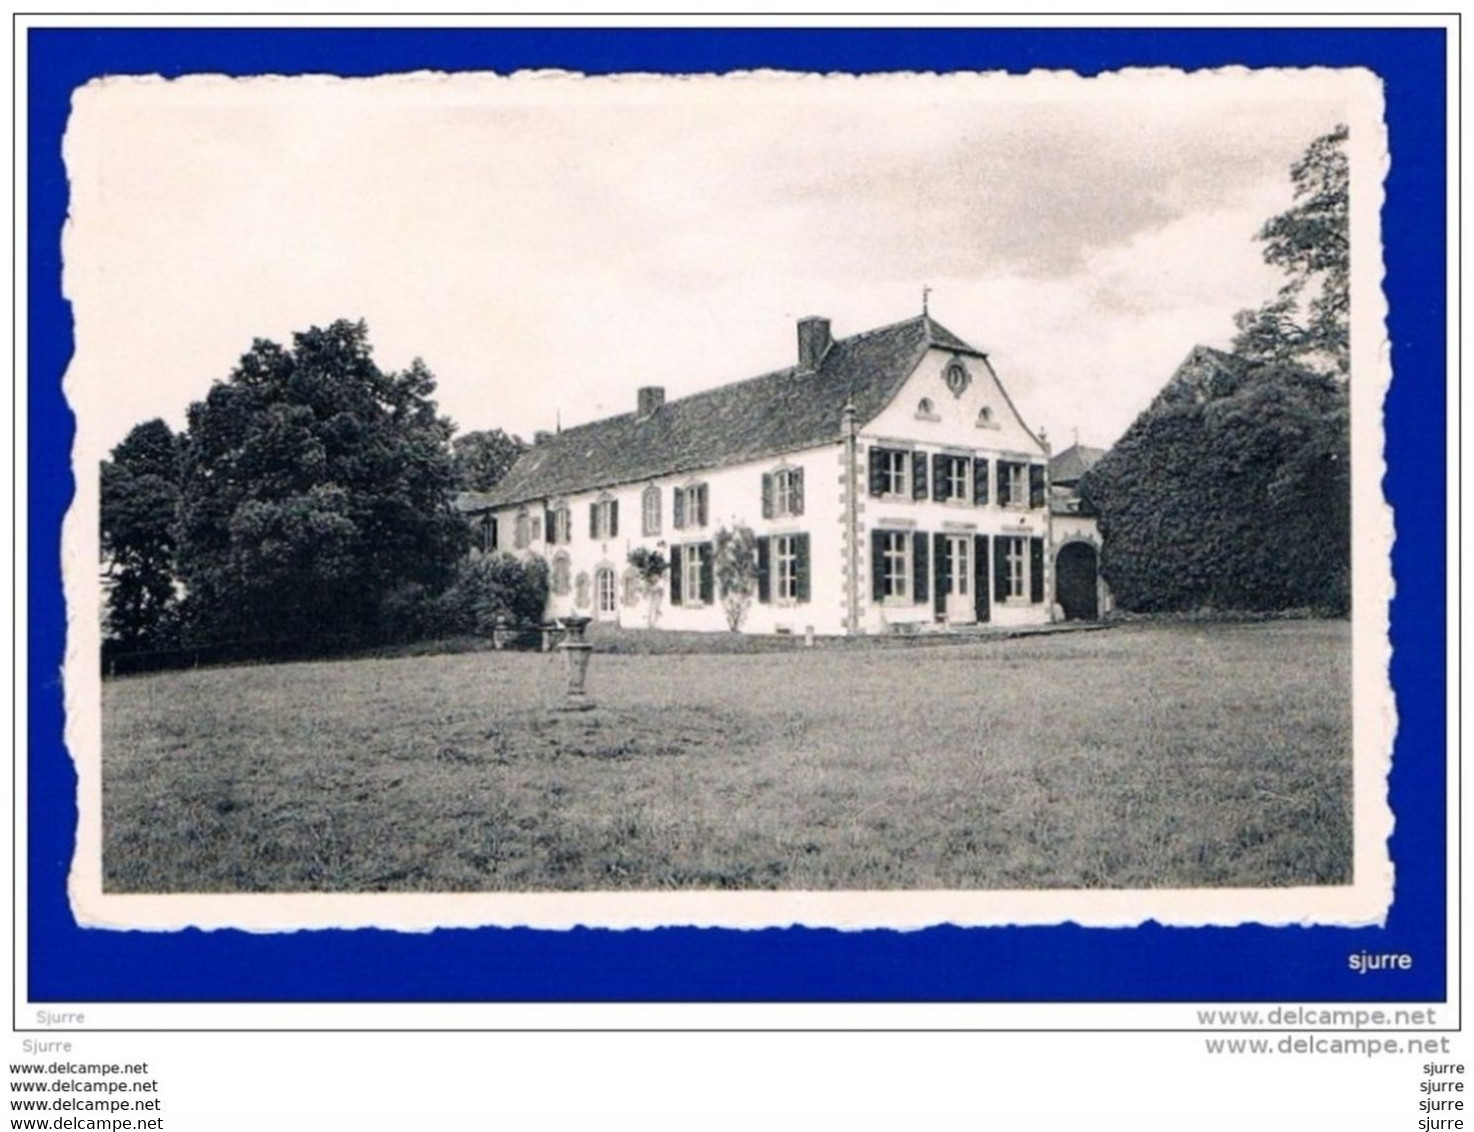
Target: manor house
890, 482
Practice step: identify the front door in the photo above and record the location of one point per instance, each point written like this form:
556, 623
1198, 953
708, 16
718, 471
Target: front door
960, 607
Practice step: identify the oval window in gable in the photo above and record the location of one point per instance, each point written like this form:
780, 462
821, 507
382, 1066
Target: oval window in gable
957, 377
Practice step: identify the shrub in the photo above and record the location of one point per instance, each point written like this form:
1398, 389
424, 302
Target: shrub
651, 566
496, 587
736, 571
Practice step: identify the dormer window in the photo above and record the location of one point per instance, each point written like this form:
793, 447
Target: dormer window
689, 506
559, 522
783, 493
650, 511
604, 519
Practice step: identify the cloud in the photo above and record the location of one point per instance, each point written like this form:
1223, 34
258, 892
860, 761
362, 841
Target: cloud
549, 244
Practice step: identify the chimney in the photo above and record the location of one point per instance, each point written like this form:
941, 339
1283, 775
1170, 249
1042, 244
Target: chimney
813, 342
651, 397
541, 436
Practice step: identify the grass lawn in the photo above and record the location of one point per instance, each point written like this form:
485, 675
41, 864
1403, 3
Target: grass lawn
1154, 755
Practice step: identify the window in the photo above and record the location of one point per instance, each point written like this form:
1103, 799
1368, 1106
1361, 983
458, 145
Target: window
562, 582
895, 564
689, 506
604, 519
691, 563
606, 591
692, 574
952, 476
926, 409
522, 533
537, 530
783, 493
560, 525
888, 467
785, 568
650, 511
581, 590
956, 377
985, 417
1014, 559
1012, 484
488, 533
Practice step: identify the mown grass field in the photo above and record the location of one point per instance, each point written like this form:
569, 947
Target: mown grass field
1145, 756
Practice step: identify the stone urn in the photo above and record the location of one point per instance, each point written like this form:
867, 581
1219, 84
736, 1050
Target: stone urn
576, 652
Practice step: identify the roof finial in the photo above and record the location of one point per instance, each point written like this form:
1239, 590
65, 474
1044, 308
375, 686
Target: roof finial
558, 419
925, 295
1076, 431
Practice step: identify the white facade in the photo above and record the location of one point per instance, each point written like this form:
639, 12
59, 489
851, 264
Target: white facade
972, 421
733, 495
845, 547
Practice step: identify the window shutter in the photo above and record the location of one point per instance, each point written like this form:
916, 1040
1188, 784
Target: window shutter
549, 527
939, 477
678, 509
701, 505
980, 576
677, 574
796, 492
1003, 500
1000, 567
980, 482
1036, 570
877, 565
614, 518
919, 568
708, 580
877, 471
1036, 485
767, 495
918, 475
943, 574
801, 564
764, 560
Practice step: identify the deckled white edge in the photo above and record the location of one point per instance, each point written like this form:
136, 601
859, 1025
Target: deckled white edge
1365, 902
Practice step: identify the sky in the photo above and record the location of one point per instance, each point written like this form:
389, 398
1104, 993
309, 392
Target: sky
549, 243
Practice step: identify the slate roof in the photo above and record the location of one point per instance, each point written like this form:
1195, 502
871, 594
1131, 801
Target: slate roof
1068, 466
1205, 373
783, 411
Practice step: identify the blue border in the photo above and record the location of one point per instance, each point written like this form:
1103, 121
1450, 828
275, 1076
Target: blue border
1004, 964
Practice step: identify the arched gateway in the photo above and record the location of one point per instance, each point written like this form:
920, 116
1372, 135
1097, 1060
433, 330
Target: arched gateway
1077, 589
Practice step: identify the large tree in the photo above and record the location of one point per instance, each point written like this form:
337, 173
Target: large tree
313, 484
1308, 322
483, 458
1231, 491
140, 497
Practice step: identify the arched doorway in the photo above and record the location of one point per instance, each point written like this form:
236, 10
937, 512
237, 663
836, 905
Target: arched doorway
1075, 576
